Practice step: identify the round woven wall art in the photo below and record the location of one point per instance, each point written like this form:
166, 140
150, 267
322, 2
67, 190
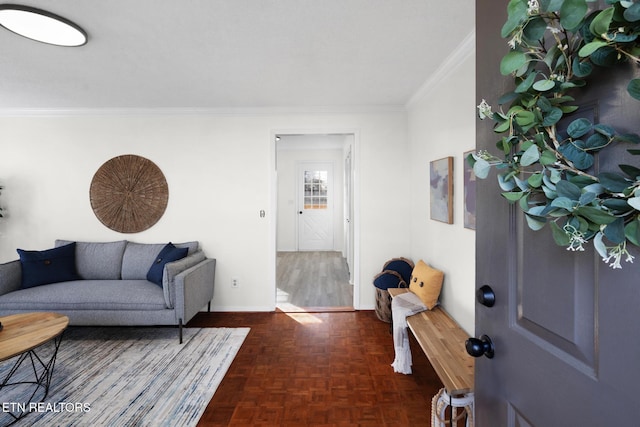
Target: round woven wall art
129, 193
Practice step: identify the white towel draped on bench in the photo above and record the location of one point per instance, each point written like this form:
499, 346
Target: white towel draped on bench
403, 305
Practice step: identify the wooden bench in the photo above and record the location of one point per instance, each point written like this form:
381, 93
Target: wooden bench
443, 342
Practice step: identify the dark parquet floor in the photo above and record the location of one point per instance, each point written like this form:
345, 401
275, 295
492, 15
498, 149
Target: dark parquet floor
318, 369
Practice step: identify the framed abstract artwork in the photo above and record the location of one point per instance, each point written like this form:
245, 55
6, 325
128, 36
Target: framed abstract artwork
441, 186
469, 193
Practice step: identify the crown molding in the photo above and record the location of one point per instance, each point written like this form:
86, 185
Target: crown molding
187, 111
466, 48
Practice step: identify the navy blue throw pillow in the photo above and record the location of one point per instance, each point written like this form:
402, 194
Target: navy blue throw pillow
389, 279
48, 266
168, 254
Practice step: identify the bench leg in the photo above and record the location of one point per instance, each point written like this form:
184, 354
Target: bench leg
180, 329
442, 400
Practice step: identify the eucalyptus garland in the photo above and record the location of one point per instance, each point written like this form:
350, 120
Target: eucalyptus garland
554, 47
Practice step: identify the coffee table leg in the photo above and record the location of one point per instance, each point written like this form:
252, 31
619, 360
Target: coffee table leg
40, 380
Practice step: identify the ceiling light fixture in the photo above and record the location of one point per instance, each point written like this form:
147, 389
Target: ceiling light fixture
40, 25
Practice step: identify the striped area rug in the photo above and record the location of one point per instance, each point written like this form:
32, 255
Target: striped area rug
111, 376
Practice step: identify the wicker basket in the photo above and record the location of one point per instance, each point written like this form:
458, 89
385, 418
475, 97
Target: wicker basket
383, 305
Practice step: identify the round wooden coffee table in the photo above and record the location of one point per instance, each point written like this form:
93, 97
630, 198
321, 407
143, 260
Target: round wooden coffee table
20, 337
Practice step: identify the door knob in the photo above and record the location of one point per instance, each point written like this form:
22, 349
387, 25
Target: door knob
482, 346
300, 212
486, 296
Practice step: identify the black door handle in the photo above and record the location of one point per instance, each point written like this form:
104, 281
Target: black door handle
486, 296
300, 212
482, 346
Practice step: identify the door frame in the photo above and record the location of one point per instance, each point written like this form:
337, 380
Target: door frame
355, 199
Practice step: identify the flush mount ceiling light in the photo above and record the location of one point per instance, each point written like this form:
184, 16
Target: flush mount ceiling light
41, 25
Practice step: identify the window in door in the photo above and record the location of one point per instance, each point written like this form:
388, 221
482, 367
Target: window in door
315, 189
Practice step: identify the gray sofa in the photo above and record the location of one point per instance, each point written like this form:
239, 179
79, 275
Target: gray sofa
111, 286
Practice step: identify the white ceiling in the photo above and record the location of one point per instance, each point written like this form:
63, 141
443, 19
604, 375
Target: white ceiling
234, 54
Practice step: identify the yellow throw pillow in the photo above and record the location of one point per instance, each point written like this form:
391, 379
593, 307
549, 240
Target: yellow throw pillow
426, 283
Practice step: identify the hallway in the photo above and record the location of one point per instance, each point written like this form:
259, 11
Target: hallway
313, 280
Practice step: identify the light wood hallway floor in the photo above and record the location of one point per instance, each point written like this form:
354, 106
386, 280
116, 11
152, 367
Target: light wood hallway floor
313, 281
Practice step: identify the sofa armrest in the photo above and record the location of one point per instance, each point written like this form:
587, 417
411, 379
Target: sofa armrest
172, 269
10, 277
194, 289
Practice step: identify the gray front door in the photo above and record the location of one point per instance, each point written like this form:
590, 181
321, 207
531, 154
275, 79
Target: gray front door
565, 325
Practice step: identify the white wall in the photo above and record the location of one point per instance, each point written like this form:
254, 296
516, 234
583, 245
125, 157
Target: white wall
301, 149
442, 123
218, 169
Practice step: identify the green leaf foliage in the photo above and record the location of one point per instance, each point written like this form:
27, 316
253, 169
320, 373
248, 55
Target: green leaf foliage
576, 154
632, 171
517, 14
513, 196
634, 202
579, 127
613, 182
632, 231
481, 168
568, 189
535, 222
548, 167
617, 206
599, 245
512, 61
606, 56
633, 88
530, 156
552, 117
547, 158
628, 137
535, 29
601, 23
632, 13
595, 215
605, 130
525, 117
559, 235
615, 231
581, 69
572, 12
564, 203
525, 85
507, 98
544, 85
596, 142
535, 180
550, 5
587, 198
504, 184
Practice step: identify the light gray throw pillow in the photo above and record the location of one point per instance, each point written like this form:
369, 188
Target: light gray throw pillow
98, 260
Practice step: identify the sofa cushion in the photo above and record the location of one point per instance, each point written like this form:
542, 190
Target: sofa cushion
48, 266
168, 254
87, 295
138, 257
98, 260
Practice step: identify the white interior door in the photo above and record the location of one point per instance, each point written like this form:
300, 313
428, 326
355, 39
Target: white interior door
315, 212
